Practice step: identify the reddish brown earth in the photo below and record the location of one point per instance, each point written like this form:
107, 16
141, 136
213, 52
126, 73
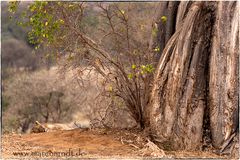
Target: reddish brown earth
86, 144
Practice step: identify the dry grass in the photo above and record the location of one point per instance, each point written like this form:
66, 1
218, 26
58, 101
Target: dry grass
99, 143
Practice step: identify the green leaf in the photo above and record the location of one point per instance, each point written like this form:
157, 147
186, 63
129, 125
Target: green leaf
12, 8
164, 19
130, 76
155, 31
143, 66
134, 66
146, 69
31, 19
36, 47
149, 68
61, 21
157, 49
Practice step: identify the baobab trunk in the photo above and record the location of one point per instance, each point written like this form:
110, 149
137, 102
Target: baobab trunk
223, 83
180, 84
180, 99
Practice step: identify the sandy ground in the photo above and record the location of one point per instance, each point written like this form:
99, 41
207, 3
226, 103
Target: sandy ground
112, 144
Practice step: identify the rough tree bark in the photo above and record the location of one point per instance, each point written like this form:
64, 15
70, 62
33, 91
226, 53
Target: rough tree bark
223, 82
197, 74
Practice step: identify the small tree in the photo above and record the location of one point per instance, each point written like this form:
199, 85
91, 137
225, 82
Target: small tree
121, 53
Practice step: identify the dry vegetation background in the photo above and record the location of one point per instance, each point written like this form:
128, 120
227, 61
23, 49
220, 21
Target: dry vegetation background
34, 86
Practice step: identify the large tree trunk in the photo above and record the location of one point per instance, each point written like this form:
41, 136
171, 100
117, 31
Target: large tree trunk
223, 84
180, 84
179, 98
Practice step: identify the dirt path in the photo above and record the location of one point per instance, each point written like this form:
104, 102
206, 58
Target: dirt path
84, 144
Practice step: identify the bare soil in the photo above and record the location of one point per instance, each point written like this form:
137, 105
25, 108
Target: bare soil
100, 143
